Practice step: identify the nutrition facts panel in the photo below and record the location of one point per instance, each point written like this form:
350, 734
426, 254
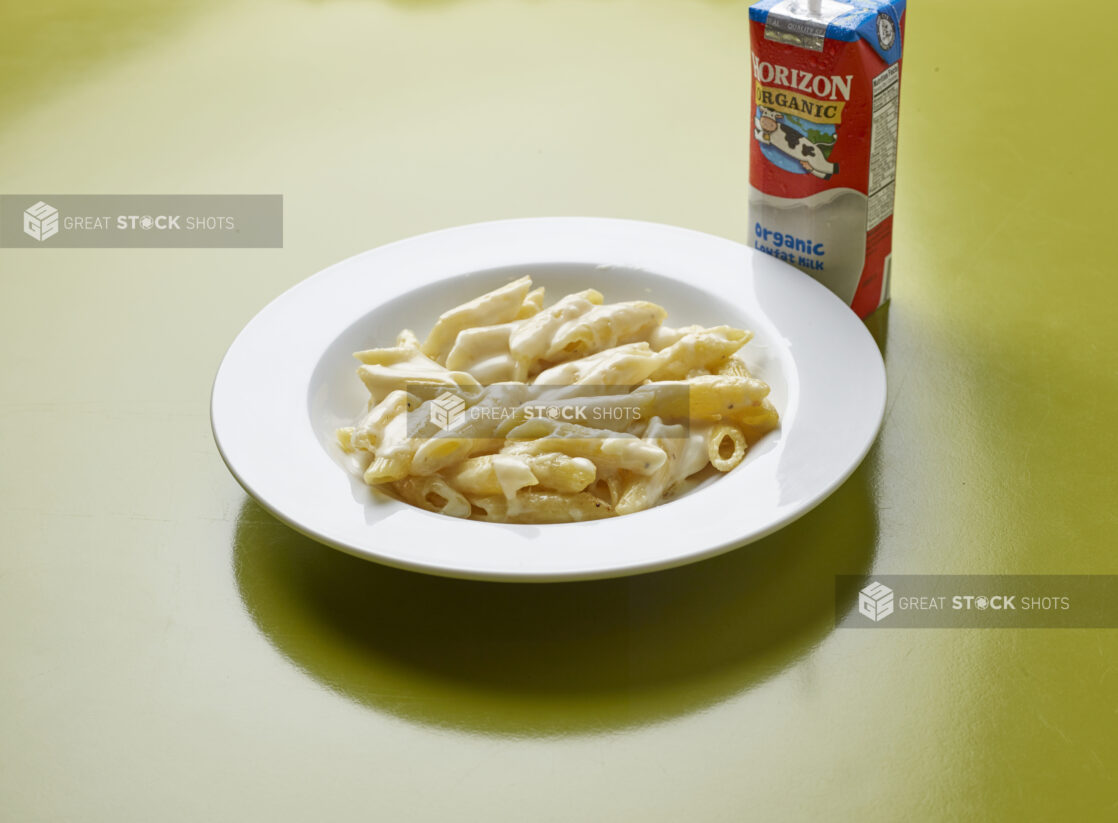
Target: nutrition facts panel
883, 143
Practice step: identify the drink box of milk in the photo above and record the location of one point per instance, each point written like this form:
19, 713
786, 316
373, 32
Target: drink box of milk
823, 156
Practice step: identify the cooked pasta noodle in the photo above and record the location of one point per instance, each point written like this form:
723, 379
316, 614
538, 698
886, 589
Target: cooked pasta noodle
725, 446
454, 424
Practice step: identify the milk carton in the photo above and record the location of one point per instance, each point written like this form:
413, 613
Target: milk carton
823, 155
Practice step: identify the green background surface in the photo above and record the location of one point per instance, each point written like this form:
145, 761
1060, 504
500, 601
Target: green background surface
169, 652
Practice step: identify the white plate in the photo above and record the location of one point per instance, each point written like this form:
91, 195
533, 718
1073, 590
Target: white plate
288, 381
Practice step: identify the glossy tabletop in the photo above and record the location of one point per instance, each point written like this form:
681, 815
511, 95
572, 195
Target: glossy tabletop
171, 652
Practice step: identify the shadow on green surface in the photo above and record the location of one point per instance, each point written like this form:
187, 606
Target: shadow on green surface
562, 658
877, 324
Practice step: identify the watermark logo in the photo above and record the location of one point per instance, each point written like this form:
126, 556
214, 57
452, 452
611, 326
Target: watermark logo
915, 601
40, 221
518, 410
122, 221
875, 601
447, 410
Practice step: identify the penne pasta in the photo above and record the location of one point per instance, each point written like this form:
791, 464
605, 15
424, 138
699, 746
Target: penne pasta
562, 472
381, 380
506, 474
498, 306
734, 367
345, 439
725, 446
684, 455
384, 421
713, 397
542, 507
513, 411
533, 302
607, 449
433, 494
532, 339
756, 418
483, 351
704, 350
604, 327
387, 468
625, 365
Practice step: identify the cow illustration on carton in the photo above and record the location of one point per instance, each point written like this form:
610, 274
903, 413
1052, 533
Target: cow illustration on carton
791, 141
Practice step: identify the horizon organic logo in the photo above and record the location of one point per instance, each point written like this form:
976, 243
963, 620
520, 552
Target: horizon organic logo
447, 410
40, 221
875, 601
